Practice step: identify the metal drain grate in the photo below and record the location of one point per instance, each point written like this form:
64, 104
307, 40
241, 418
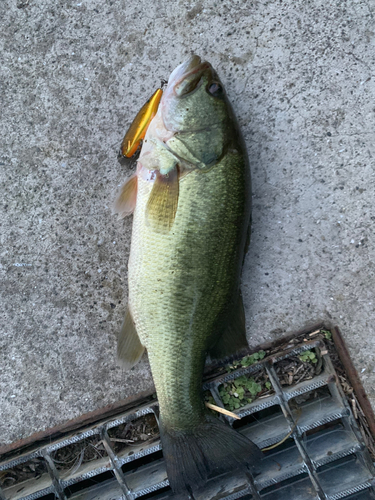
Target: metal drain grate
323, 455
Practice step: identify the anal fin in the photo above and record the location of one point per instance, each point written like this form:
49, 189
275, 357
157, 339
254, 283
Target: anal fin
129, 347
233, 338
163, 201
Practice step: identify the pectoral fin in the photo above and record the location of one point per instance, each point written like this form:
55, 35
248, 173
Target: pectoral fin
125, 202
163, 201
129, 347
234, 337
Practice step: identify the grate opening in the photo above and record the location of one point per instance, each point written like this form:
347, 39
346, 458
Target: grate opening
262, 416
307, 398
134, 465
160, 494
344, 475
126, 437
352, 458
282, 484
87, 483
280, 463
50, 496
329, 426
366, 494
315, 408
300, 490
330, 442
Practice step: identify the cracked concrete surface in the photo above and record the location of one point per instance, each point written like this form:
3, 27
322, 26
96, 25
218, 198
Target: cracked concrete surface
73, 75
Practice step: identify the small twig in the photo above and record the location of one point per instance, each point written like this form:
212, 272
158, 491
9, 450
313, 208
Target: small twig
314, 333
78, 463
280, 442
354, 406
265, 395
284, 439
222, 410
96, 448
135, 443
298, 369
119, 440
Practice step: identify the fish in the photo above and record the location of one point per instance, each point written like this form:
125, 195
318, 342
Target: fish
190, 199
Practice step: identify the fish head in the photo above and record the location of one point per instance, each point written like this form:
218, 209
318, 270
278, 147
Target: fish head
194, 99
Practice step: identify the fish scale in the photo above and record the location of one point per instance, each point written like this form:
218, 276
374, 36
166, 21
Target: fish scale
181, 282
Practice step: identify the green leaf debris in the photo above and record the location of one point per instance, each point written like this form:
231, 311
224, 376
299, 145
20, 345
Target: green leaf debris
246, 361
308, 357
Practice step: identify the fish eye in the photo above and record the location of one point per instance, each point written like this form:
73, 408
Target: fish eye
215, 89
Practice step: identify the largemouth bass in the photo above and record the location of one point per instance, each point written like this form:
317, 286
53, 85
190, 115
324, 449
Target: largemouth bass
191, 202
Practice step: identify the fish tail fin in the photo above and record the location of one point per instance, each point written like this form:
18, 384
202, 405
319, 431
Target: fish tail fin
210, 449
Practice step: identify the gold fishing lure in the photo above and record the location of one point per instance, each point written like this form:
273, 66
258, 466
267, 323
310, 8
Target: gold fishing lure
138, 128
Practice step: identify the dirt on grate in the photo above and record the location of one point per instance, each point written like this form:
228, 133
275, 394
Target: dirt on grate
143, 430
296, 369
71, 457
32, 469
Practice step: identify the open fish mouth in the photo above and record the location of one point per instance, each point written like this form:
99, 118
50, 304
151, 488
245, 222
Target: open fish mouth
186, 77
191, 64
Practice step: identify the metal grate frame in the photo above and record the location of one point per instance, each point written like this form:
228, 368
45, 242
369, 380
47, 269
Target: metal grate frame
323, 458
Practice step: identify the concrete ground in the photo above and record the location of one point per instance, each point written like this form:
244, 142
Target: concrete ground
300, 75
